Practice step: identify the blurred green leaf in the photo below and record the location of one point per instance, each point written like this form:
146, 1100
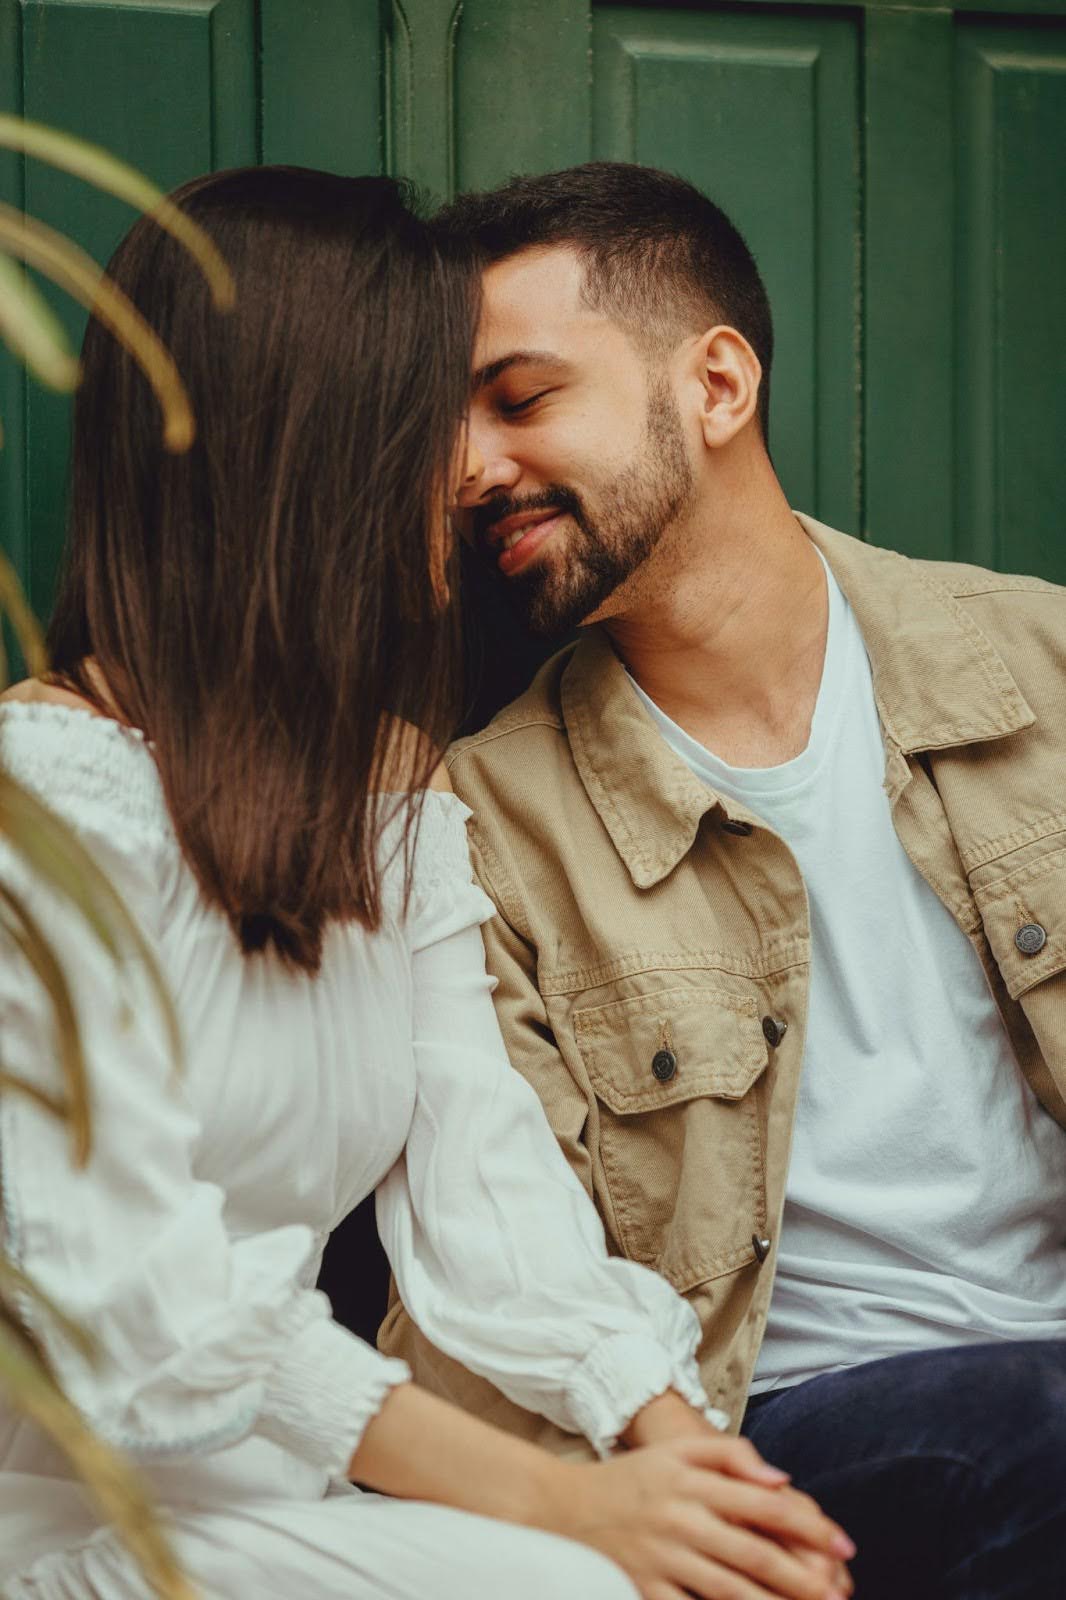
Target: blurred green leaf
47, 846
32, 331
15, 1285
25, 933
68, 266
113, 1484
106, 172
52, 851
13, 603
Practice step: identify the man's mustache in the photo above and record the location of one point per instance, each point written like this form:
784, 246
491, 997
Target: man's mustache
555, 498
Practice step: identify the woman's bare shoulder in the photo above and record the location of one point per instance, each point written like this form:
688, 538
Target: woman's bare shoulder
406, 754
36, 691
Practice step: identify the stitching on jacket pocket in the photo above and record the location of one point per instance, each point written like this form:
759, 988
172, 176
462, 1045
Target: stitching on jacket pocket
681, 1149
1035, 893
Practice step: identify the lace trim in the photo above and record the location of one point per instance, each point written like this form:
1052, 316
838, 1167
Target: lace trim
442, 851
70, 758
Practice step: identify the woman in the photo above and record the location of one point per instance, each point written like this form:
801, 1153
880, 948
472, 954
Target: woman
240, 634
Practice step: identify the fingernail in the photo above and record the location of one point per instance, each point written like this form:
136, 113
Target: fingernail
843, 1546
775, 1475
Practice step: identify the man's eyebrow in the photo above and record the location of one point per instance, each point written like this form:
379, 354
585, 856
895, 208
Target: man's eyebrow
518, 358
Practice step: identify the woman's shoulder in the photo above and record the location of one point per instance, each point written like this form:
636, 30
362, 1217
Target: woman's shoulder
407, 755
428, 828
425, 846
38, 692
423, 827
94, 772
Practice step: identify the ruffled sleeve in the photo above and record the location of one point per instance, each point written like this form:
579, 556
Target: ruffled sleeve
203, 1339
498, 1252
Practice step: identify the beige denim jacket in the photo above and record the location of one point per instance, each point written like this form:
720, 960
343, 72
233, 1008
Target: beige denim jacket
639, 913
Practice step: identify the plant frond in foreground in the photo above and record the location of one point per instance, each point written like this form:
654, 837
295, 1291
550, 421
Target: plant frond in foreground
105, 172
112, 1483
68, 266
30, 328
58, 857
32, 331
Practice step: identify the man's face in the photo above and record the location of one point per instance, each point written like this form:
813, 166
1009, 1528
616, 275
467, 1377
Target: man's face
577, 445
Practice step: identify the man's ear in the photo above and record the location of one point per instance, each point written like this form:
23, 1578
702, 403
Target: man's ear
728, 373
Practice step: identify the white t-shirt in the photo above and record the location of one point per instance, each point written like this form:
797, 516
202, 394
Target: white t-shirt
926, 1195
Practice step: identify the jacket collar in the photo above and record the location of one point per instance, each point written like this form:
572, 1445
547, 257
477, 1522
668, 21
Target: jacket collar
648, 799
938, 681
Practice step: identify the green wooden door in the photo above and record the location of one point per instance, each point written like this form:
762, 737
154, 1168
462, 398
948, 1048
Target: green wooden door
177, 87
899, 169
900, 172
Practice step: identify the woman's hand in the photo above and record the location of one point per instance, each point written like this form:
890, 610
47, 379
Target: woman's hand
668, 1416
702, 1516
683, 1518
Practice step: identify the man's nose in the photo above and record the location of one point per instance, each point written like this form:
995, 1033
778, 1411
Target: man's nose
486, 471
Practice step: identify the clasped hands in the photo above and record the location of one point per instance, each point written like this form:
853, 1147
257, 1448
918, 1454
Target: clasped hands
687, 1510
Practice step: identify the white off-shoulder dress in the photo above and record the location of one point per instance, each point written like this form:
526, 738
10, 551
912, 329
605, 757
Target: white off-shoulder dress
190, 1244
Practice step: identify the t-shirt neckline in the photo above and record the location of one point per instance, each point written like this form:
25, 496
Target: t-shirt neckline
747, 783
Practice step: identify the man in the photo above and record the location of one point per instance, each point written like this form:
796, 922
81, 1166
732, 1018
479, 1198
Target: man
791, 803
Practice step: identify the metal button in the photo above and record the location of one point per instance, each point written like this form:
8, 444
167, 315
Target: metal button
664, 1065
760, 1246
734, 825
773, 1031
1030, 938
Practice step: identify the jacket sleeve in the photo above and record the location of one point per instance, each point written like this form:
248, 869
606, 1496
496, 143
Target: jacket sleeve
202, 1339
498, 1252
530, 1041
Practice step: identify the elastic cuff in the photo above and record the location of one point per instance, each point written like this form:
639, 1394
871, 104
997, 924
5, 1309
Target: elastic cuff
686, 1380
320, 1400
616, 1380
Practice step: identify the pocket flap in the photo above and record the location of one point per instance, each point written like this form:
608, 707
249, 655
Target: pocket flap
714, 1037
1024, 909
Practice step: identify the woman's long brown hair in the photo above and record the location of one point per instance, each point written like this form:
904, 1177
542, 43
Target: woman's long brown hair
265, 606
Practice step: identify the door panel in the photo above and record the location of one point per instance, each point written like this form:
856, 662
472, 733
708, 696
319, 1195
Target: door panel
172, 91
521, 89
14, 534
322, 86
1011, 312
908, 282
760, 111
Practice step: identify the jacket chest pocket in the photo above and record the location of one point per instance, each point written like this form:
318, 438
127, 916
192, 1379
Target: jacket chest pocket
679, 1140
1024, 917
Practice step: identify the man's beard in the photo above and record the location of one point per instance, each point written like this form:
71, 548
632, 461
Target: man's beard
562, 589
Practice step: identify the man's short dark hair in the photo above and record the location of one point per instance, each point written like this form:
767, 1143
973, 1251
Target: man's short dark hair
660, 258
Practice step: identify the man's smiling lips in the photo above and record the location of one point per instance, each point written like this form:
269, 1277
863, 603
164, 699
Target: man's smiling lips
520, 536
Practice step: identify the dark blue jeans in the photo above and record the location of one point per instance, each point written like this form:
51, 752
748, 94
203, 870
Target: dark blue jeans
946, 1467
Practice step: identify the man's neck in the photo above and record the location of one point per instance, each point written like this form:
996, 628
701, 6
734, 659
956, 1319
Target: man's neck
728, 635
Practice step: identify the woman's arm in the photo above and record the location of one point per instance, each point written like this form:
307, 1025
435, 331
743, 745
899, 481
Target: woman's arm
678, 1518
498, 1252
203, 1339
499, 1256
